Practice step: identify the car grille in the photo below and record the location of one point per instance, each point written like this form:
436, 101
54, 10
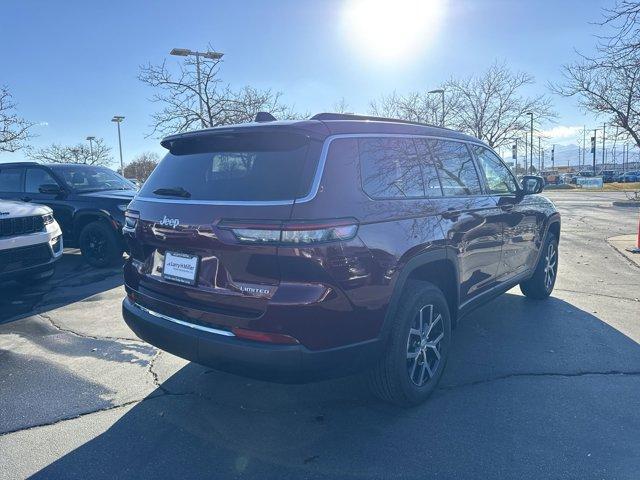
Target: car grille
20, 225
24, 257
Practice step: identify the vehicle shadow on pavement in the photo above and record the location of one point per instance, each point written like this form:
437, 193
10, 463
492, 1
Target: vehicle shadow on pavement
73, 281
532, 390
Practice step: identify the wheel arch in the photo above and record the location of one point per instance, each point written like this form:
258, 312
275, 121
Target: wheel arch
85, 217
435, 267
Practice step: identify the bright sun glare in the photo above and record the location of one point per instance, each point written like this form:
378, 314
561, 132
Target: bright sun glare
392, 30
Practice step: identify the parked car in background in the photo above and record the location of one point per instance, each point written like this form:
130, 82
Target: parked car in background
551, 177
631, 176
608, 176
87, 201
300, 250
583, 173
30, 242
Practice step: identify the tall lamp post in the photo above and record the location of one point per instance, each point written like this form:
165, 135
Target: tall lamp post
118, 119
91, 139
531, 145
441, 92
185, 52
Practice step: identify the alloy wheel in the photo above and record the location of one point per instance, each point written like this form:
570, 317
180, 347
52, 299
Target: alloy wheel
424, 345
551, 261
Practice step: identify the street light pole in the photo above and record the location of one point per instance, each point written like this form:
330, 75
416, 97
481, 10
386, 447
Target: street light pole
212, 55
604, 131
91, 139
118, 120
531, 145
441, 92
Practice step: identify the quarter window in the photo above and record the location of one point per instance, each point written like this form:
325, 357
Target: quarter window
37, 177
11, 180
497, 176
390, 168
455, 166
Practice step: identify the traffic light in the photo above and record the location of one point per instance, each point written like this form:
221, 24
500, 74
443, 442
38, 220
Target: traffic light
593, 144
514, 152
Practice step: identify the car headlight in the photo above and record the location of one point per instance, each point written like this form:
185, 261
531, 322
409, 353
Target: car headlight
123, 207
47, 218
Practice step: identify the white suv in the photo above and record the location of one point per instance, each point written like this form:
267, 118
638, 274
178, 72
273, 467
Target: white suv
30, 242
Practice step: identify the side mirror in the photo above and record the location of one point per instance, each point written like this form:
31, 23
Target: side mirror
50, 188
532, 184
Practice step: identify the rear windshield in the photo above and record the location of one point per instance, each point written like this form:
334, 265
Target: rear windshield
266, 166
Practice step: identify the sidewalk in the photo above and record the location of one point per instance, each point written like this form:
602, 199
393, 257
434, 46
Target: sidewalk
623, 242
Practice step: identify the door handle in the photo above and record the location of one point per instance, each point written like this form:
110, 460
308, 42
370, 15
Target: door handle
451, 214
26, 199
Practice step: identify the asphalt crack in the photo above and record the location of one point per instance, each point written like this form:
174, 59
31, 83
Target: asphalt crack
632, 373
84, 335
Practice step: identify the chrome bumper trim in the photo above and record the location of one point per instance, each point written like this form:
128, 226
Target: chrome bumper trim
215, 331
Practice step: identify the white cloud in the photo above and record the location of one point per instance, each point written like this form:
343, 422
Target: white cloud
563, 132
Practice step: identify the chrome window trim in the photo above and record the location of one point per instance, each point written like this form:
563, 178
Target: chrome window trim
183, 323
317, 178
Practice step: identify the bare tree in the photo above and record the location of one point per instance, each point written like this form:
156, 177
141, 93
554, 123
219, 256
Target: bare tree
80, 153
142, 166
624, 19
490, 106
608, 84
14, 130
414, 107
341, 106
180, 97
493, 108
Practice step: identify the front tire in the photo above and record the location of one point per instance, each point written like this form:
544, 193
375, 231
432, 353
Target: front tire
99, 245
416, 354
541, 284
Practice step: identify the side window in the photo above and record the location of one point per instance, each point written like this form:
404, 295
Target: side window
429, 173
456, 169
11, 180
36, 177
390, 168
498, 177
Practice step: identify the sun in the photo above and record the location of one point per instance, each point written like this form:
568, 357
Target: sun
392, 30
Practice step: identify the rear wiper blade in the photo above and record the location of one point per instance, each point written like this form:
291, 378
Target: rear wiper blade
172, 192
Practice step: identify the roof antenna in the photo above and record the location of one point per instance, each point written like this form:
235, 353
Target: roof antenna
265, 117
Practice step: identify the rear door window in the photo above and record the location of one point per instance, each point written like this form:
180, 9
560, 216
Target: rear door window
456, 168
389, 168
35, 178
265, 166
11, 179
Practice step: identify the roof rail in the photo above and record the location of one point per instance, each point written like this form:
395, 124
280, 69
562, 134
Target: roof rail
22, 163
351, 116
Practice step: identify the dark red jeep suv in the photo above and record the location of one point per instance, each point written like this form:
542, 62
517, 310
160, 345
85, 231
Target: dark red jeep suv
301, 250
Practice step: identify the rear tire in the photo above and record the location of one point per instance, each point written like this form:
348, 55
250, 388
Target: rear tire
99, 245
541, 284
416, 354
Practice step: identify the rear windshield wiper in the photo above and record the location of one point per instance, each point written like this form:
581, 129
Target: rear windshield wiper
172, 192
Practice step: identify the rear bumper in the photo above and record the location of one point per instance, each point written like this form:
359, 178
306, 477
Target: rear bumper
225, 352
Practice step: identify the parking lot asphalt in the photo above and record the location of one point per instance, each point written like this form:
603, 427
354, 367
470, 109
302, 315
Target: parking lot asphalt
545, 389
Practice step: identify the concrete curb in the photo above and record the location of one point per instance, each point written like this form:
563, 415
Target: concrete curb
622, 244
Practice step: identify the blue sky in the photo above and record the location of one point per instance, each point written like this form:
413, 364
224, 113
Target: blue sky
72, 65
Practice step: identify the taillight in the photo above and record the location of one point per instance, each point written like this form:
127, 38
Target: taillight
292, 232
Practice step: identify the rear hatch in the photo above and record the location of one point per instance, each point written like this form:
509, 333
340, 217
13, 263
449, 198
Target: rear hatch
186, 242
